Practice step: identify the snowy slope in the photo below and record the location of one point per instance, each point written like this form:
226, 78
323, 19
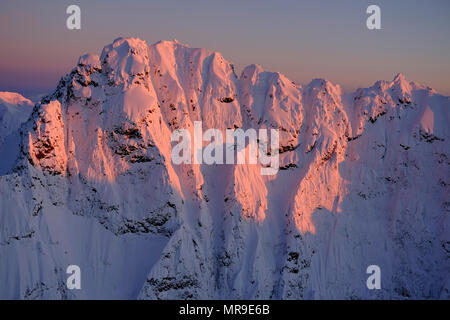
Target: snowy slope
363, 180
14, 110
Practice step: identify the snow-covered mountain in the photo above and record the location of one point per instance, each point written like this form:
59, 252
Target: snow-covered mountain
14, 110
364, 180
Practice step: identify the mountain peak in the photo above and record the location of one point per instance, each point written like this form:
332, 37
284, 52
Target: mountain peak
89, 59
401, 84
400, 77
13, 98
251, 70
125, 57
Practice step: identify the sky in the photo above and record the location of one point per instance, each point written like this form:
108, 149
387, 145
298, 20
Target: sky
301, 39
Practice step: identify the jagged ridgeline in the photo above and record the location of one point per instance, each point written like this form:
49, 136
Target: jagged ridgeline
87, 179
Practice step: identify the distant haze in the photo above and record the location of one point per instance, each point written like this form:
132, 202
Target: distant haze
302, 39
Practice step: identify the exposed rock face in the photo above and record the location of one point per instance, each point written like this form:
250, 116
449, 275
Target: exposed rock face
364, 179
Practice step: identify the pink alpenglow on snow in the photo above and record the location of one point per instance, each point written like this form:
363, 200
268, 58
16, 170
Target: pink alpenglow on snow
362, 179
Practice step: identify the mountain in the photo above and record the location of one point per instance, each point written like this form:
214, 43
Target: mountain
364, 180
14, 110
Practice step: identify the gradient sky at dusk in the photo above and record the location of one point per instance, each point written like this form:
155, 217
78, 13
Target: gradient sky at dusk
302, 39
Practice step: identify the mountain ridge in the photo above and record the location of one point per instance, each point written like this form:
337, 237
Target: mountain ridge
363, 180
